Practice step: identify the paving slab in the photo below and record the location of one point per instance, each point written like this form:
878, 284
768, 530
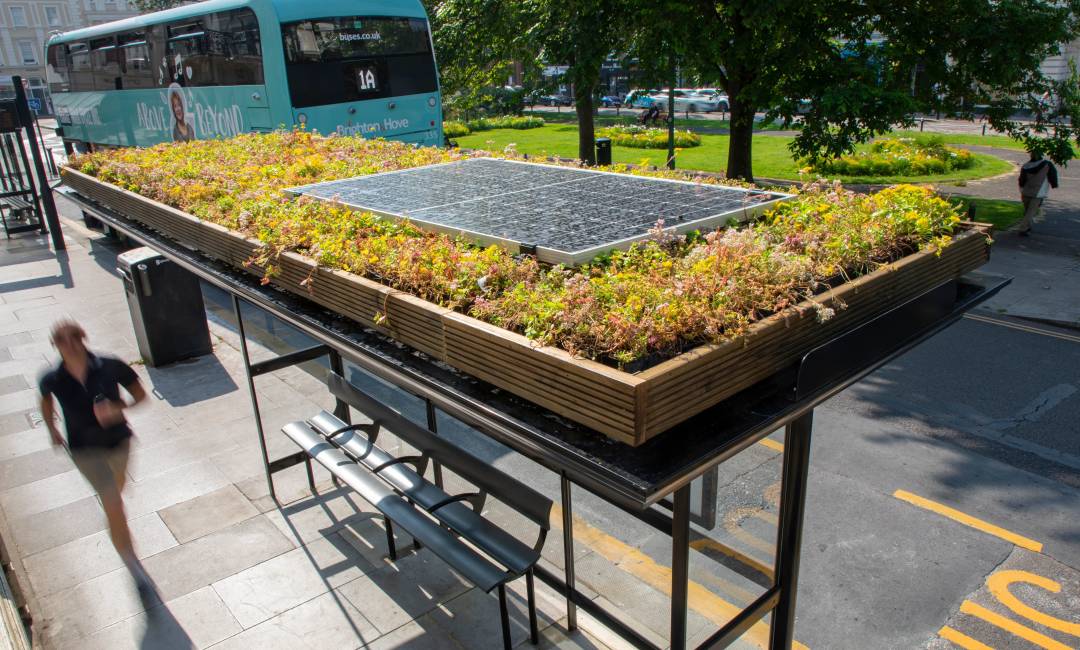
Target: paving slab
79, 611
35, 466
13, 445
326, 621
196, 620
255, 594
204, 561
45, 494
208, 513
401, 591
172, 487
45, 530
79, 560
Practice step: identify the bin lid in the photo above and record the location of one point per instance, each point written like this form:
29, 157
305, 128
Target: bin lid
136, 255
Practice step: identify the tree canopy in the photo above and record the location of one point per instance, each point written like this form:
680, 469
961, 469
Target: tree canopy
840, 71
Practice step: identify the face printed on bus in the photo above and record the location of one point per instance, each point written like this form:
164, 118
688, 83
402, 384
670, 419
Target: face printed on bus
177, 107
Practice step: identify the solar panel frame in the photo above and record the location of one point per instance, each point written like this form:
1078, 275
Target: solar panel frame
726, 207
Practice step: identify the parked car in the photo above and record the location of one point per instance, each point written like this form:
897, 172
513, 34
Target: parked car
610, 101
557, 99
721, 98
687, 100
640, 98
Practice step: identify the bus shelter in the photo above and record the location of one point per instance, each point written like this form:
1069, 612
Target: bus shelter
653, 483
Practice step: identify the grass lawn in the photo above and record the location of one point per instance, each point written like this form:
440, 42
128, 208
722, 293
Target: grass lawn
771, 156
1000, 212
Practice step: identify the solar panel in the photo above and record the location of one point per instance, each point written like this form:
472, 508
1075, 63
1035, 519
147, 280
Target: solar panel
565, 215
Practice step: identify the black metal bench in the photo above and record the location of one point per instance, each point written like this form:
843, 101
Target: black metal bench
16, 207
440, 521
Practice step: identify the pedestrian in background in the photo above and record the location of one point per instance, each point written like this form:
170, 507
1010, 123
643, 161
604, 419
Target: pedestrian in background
1037, 176
87, 386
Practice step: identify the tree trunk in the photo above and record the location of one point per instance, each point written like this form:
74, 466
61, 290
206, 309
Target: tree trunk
739, 144
583, 100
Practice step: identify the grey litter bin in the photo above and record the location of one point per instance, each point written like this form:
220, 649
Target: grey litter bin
166, 306
603, 151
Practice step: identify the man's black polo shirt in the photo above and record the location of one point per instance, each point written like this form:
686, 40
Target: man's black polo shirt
104, 377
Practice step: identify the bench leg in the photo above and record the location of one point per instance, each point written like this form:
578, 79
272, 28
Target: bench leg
504, 616
390, 539
310, 476
533, 633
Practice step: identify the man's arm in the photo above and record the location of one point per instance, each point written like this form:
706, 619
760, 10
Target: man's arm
137, 392
1023, 177
48, 413
1052, 177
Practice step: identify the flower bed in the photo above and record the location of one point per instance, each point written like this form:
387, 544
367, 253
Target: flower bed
900, 157
640, 137
659, 301
454, 129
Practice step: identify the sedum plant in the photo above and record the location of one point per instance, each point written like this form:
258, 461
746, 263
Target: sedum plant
629, 308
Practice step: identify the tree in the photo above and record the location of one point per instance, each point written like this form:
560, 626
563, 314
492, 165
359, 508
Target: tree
475, 37
580, 34
659, 41
851, 69
476, 43
147, 6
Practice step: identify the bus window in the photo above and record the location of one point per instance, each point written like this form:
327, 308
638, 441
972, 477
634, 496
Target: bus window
105, 62
57, 71
82, 77
220, 49
135, 53
335, 60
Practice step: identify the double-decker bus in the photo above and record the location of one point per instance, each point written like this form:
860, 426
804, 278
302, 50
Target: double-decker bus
224, 67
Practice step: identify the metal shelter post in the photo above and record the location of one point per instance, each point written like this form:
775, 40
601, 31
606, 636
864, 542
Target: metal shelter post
789, 533
680, 566
46, 197
251, 393
568, 550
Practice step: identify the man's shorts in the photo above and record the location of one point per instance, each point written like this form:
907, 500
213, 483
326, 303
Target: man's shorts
103, 467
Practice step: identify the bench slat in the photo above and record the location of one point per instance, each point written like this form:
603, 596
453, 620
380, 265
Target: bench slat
469, 563
488, 537
510, 491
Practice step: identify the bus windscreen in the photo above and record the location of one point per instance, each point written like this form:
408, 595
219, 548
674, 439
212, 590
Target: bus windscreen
336, 60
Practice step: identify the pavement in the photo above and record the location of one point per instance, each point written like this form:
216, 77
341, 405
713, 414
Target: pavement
1045, 266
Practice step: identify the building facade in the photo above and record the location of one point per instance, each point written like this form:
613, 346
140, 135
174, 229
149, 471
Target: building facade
1057, 67
25, 25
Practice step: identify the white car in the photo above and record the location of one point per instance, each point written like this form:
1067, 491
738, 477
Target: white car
689, 100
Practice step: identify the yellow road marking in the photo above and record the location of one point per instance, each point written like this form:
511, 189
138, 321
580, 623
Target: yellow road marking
642, 567
772, 444
1011, 626
968, 520
999, 586
711, 544
1023, 328
733, 525
961, 639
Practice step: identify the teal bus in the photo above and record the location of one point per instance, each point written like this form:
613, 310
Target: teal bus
224, 67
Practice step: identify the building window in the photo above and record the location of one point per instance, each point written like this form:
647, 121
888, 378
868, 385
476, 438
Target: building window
52, 16
28, 53
18, 16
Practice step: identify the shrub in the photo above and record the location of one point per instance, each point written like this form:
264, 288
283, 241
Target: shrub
640, 137
649, 302
505, 122
453, 129
922, 156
